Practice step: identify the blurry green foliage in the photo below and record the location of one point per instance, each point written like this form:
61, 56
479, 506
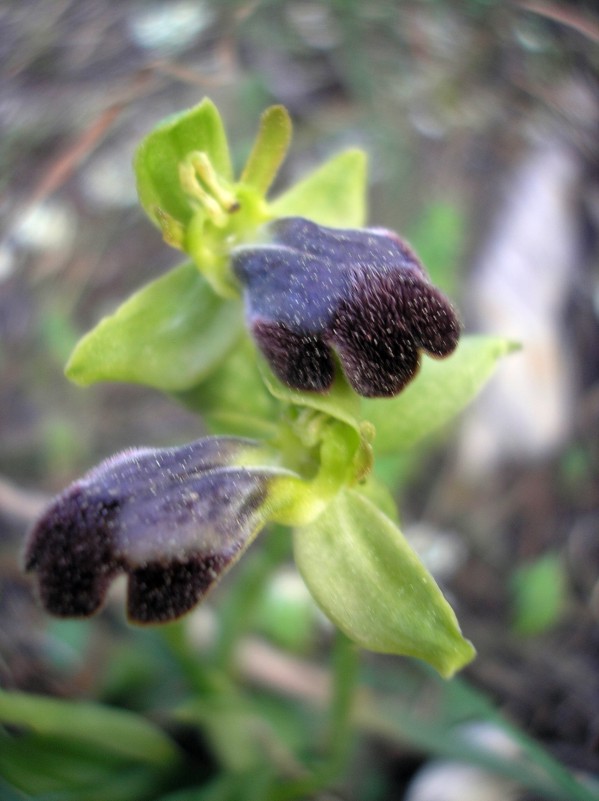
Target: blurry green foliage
538, 594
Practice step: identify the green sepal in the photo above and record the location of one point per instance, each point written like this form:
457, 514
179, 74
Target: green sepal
438, 237
442, 388
160, 153
334, 194
170, 335
233, 399
270, 149
340, 402
370, 583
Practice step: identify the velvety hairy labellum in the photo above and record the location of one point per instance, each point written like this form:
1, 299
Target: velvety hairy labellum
363, 293
173, 519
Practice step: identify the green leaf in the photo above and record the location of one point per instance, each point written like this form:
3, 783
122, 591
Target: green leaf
269, 149
229, 725
158, 157
401, 709
334, 194
442, 388
170, 335
116, 731
538, 594
438, 239
233, 399
71, 770
370, 583
9, 792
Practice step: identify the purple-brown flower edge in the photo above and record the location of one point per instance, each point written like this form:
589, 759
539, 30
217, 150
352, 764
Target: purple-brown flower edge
311, 290
173, 519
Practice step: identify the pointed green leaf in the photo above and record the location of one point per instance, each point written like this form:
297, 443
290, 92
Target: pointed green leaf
117, 731
158, 157
170, 335
334, 194
233, 399
438, 238
441, 390
269, 149
370, 583
71, 770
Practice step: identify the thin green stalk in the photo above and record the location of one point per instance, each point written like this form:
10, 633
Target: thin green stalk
345, 660
345, 664
237, 612
200, 679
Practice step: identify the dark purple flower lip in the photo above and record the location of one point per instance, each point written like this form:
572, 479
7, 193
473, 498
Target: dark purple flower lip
173, 519
363, 293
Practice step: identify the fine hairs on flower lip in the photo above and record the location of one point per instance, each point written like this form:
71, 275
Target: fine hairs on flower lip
361, 292
173, 519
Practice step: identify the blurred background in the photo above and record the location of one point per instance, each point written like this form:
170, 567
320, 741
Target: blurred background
481, 121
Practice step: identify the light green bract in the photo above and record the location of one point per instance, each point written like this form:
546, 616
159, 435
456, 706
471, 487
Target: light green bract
183, 333
370, 583
440, 390
169, 335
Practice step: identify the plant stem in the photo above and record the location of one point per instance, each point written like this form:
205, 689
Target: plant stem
200, 679
345, 661
236, 614
345, 664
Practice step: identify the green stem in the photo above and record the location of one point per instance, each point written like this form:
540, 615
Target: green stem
345, 660
200, 679
345, 675
240, 606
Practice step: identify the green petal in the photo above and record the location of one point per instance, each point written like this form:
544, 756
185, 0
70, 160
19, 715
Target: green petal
158, 157
370, 583
441, 390
334, 194
269, 149
169, 335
